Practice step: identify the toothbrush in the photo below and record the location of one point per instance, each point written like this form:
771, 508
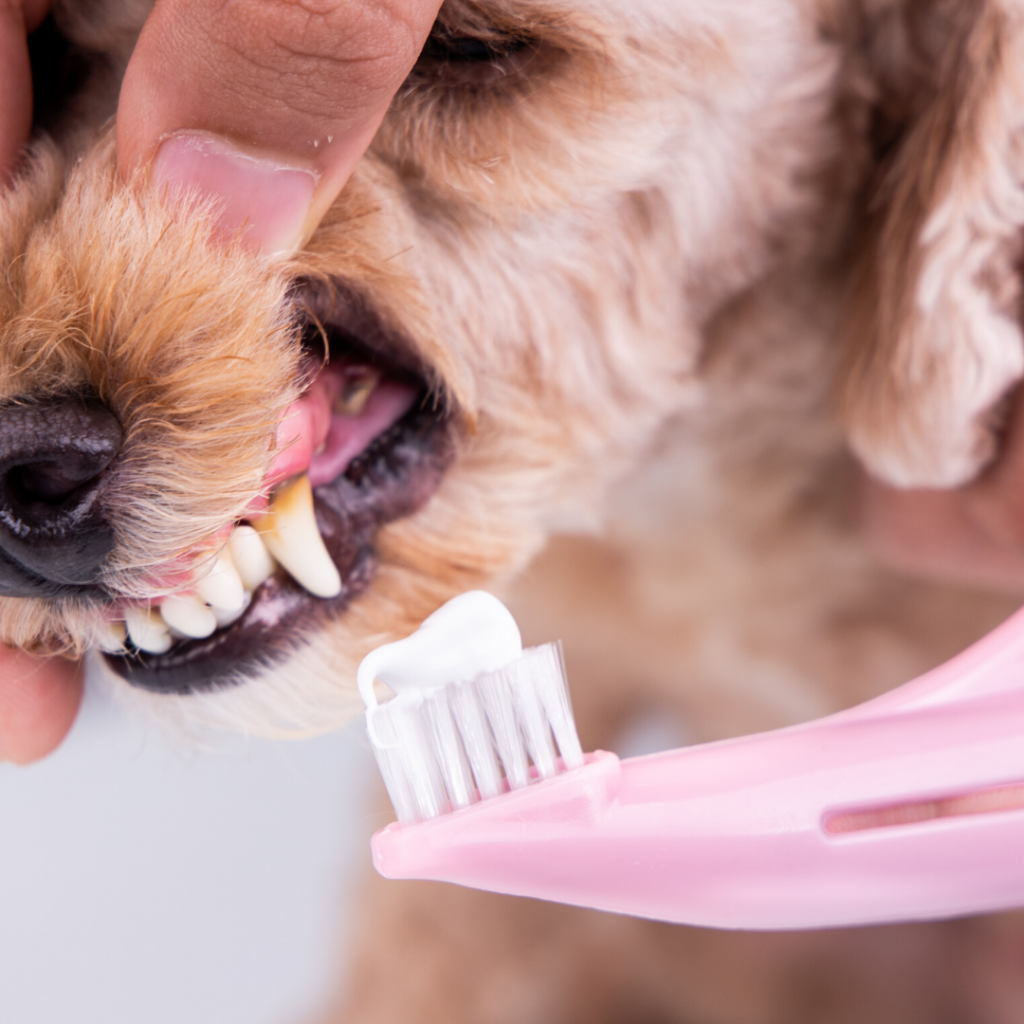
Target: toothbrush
907, 807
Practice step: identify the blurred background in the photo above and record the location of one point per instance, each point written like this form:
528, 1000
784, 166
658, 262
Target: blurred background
146, 880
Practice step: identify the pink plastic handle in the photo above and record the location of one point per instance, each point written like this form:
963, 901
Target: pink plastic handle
910, 806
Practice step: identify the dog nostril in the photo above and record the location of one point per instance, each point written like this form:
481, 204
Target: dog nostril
53, 529
48, 483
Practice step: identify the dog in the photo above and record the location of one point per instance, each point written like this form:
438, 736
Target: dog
646, 284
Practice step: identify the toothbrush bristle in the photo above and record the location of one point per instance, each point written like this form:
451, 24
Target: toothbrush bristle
447, 748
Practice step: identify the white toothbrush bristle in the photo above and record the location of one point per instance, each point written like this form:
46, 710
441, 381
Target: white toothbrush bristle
444, 748
406, 760
501, 707
477, 740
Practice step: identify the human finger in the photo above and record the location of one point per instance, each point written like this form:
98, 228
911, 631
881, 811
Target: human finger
265, 105
39, 699
17, 19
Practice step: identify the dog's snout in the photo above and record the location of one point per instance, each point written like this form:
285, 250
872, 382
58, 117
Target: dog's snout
53, 528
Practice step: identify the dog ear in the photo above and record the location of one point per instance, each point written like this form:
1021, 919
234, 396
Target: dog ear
933, 326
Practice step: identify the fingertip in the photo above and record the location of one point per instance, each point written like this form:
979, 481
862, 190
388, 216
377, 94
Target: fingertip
15, 89
263, 201
39, 700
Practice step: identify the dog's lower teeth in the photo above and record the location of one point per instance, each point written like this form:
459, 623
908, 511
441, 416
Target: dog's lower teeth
226, 618
291, 535
222, 587
189, 616
147, 630
287, 534
110, 637
250, 555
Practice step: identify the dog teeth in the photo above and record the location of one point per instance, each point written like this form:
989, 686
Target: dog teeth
226, 618
222, 587
360, 383
225, 591
188, 616
110, 637
250, 555
147, 630
290, 533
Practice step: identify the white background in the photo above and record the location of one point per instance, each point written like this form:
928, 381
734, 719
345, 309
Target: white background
148, 882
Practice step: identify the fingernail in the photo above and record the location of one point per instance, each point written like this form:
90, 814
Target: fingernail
262, 201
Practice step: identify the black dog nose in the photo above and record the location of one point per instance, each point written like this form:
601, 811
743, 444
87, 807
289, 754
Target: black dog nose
53, 530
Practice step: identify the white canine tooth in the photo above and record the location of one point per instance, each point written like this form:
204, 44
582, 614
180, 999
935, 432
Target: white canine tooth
147, 630
110, 637
188, 615
226, 618
221, 586
290, 533
251, 557
360, 383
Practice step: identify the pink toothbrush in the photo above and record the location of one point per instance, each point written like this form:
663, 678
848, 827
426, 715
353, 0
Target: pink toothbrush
910, 806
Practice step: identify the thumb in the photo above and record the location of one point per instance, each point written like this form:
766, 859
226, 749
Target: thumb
39, 699
264, 105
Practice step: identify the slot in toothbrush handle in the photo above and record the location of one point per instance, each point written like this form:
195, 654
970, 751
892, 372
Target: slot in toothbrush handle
908, 807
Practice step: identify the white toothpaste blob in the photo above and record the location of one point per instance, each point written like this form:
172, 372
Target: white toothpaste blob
471, 634
472, 710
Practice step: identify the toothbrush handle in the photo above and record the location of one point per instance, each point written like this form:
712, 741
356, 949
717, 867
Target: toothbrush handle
768, 831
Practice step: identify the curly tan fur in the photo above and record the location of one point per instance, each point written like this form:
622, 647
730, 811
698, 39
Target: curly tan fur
935, 338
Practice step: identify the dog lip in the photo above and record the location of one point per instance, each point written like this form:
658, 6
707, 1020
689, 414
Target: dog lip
392, 478
276, 623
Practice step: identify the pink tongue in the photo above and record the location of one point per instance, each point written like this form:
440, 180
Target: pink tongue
312, 438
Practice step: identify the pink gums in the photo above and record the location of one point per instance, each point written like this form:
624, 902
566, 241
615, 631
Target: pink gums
176, 574
313, 438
